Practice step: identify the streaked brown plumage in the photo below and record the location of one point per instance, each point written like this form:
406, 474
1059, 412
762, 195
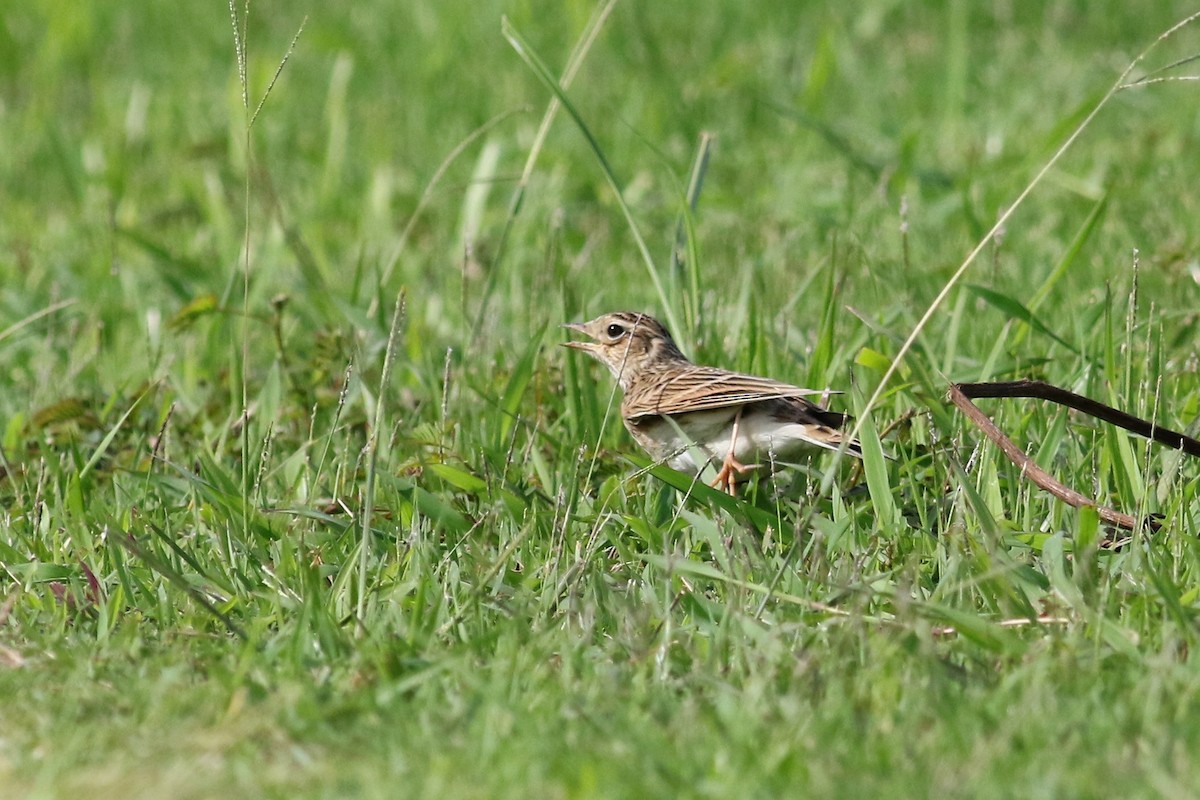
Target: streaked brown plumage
676, 409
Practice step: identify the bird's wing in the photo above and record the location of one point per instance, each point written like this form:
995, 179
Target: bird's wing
696, 388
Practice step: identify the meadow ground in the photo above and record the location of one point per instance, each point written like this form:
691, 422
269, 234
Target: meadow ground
300, 498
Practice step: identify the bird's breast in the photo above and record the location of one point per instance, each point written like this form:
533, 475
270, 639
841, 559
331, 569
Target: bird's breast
690, 440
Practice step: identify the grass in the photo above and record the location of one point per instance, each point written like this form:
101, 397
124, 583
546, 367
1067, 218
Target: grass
331, 515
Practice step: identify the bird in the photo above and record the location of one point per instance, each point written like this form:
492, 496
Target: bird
689, 416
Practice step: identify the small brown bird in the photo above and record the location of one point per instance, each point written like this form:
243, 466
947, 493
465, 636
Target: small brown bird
675, 409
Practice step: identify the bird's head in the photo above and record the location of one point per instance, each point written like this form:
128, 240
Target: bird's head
627, 343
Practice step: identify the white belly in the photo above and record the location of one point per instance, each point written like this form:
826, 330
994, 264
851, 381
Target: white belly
761, 439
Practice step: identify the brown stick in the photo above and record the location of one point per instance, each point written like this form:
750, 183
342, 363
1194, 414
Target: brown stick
1044, 391
960, 394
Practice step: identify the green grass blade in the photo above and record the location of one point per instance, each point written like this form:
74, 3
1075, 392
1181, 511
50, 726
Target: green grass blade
518, 382
825, 345
981, 631
107, 441
1071, 255
538, 67
685, 234
584, 44
1013, 309
21, 325
693, 487
377, 427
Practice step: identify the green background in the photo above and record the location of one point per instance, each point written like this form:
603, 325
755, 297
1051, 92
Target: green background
207, 401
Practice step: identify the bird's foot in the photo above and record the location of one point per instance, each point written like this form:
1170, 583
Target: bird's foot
726, 479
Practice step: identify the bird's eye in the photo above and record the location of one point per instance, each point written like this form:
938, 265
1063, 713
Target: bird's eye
615, 331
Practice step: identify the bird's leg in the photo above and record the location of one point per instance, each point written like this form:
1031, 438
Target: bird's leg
725, 480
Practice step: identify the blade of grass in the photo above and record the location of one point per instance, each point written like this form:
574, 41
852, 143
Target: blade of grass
878, 485
518, 382
1013, 309
102, 448
1003, 218
151, 560
427, 193
539, 69
700, 490
574, 62
368, 505
823, 349
685, 233
982, 632
20, 325
1068, 259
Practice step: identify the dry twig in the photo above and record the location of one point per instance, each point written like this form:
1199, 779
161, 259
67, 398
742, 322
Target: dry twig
961, 395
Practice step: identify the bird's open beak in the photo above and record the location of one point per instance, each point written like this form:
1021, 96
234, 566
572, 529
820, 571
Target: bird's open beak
579, 327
